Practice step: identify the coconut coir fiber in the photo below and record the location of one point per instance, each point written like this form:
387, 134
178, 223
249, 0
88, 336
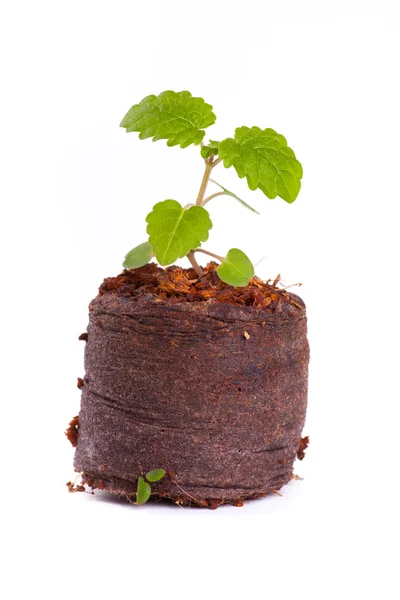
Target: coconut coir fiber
195, 376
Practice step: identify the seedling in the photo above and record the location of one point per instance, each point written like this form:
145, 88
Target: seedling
260, 155
143, 491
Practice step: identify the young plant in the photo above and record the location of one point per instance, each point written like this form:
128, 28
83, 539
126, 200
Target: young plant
143, 491
260, 155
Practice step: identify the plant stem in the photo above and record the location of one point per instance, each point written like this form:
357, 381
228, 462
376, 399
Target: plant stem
195, 264
213, 196
220, 258
210, 164
204, 182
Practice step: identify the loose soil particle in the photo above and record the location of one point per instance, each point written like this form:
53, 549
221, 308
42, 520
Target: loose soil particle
173, 382
72, 431
302, 447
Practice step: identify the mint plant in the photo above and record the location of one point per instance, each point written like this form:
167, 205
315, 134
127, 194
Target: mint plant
260, 155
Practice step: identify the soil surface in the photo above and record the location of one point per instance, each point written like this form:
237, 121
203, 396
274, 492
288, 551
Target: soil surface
184, 285
195, 376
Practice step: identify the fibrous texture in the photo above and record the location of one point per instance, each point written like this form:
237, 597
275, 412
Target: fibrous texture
213, 392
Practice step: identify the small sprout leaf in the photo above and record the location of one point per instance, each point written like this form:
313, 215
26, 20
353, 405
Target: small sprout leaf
228, 193
174, 231
211, 148
138, 256
236, 268
177, 117
206, 151
155, 475
143, 491
263, 157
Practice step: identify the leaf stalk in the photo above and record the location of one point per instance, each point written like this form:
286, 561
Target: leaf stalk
216, 162
220, 258
213, 196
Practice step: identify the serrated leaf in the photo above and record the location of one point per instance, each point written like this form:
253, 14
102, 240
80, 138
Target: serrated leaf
143, 491
174, 231
209, 149
263, 157
234, 196
138, 256
177, 117
155, 475
236, 268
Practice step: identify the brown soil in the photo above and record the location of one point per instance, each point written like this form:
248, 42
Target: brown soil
302, 447
184, 285
205, 380
72, 431
180, 496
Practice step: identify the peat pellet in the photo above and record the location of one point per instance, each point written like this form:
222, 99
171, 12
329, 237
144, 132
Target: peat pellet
206, 381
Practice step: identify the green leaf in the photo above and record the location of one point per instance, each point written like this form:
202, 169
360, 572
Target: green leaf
263, 157
143, 491
175, 116
211, 148
236, 268
175, 231
236, 197
155, 475
138, 256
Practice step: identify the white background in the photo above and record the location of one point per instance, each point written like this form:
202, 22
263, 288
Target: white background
75, 191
